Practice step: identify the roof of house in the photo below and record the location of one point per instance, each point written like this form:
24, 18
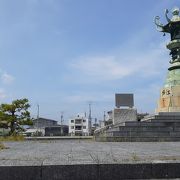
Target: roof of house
44, 119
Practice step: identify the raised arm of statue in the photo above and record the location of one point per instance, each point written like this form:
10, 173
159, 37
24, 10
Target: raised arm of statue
159, 25
166, 15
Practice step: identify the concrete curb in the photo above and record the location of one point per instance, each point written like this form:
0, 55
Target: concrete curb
91, 171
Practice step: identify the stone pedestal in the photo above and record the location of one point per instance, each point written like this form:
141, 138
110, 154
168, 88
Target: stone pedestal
170, 95
169, 99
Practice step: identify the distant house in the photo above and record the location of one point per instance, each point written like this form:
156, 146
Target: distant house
49, 127
43, 122
60, 130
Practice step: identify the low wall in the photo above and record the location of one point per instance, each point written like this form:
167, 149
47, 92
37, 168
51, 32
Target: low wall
60, 138
91, 171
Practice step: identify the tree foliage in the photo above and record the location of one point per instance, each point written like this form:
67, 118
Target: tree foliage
14, 113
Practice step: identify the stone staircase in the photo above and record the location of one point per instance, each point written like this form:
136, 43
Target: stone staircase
160, 127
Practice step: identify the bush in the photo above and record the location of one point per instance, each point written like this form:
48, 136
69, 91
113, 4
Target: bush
12, 138
2, 146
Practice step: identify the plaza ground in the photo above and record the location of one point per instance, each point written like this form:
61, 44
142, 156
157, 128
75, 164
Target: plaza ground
71, 152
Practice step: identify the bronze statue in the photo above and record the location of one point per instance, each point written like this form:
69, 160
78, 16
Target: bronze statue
173, 28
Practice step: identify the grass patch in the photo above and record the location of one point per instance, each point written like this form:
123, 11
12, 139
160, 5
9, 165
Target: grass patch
12, 138
2, 146
135, 157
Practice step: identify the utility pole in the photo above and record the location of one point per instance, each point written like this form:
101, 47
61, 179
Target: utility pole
37, 131
95, 120
90, 112
37, 116
89, 119
62, 117
62, 122
104, 117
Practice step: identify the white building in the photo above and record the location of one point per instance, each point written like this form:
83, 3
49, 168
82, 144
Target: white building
79, 126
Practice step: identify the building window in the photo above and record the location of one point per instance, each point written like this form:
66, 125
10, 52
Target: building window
72, 121
84, 120
78, 121
84, 127
78, 128
72, 127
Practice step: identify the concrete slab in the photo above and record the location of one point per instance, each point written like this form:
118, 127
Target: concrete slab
71, 152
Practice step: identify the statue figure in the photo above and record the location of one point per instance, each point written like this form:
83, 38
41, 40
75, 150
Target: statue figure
175, 13
159, 25
175, 18
173, 28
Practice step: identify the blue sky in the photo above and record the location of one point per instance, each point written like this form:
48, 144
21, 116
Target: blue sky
63, 54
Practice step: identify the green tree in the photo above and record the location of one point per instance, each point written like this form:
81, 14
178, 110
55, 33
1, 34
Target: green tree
26, 122
15, 112
3, 120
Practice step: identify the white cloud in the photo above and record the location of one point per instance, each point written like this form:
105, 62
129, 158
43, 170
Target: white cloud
79, 98
102, 67
7, 78
2, 94
121, 64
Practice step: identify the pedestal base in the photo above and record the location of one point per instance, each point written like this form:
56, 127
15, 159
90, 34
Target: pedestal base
169, 100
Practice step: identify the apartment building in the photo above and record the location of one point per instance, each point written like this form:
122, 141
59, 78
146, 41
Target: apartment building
79, 126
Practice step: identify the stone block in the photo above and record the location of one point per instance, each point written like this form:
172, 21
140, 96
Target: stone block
176, 128
124, 171
20, 172
169, 113
122, 115
140, 134
70, 172
173, 170
159, 170
145, 124
175, 134
137, 139
144, 128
